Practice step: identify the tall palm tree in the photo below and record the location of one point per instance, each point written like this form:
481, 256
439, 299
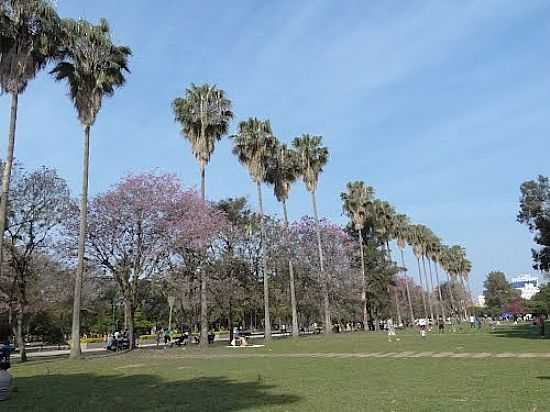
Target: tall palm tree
464, 269
94, 68
446, 265
402, 233
283, 170
458, 266
423, 235
434, 255
415, 241
313, 156
30, 37
356, 201
254, 145
204, 114
430, 243
384, 217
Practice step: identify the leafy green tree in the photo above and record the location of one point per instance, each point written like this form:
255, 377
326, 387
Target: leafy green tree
93, 67
356, 202
313, 156
29, 38
535, 213
540, 303
498, 292
283, 170
254, 145
204, 114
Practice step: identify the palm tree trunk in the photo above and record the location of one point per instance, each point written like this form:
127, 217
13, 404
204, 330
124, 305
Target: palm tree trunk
363, 282
432, 281
439, 290
204, 310
75, 347
470, 291
294, 310
324, 277
395, 292
19, 331
203, 179
429, 292
6, 176
450, 285
411, 311
203, 276
464, 291
267, 318
422, 287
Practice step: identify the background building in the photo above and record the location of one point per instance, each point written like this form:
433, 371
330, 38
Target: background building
528, 285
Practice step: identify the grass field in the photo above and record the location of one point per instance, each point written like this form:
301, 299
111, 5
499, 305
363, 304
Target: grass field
341, 373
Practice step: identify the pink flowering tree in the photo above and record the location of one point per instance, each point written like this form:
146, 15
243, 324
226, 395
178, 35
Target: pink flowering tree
139, 227
337, 252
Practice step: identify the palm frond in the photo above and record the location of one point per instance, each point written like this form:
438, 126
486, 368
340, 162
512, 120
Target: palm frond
93, 66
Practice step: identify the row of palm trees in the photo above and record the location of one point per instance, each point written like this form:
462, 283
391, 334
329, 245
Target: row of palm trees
360, 204
204, 113
32, 35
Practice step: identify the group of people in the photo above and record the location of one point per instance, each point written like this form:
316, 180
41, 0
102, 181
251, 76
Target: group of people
239, 338
118, 341
181, 339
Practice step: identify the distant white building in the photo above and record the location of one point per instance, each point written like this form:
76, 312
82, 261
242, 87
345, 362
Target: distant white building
481, 300
528, 285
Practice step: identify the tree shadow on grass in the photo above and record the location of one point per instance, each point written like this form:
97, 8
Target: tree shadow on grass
88, 392
521, 331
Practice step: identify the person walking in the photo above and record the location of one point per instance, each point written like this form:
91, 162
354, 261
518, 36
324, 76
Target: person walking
159, 336
391, 330
167, 336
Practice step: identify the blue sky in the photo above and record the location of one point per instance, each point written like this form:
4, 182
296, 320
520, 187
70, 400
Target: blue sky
442, 106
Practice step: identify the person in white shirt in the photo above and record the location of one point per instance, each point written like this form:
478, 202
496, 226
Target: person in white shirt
422, 324
391, 330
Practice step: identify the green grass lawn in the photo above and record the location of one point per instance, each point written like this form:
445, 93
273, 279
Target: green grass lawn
225, 379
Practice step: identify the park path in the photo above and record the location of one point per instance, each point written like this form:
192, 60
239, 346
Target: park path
376, 355
324, 355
